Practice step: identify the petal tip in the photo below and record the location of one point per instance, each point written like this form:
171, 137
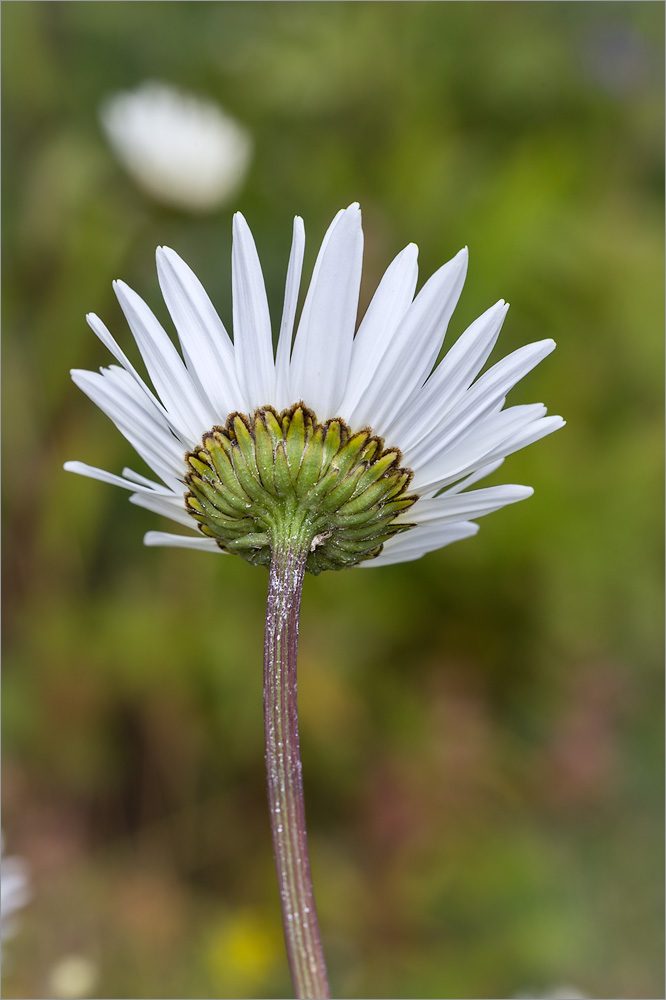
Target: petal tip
524, 492
166, 257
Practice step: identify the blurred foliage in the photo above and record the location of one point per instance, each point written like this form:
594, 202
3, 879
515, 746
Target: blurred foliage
481, 729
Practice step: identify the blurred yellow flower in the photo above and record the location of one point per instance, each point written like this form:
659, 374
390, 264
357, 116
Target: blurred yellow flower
242, 950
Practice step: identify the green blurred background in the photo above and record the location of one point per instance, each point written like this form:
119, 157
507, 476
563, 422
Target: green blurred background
481, 729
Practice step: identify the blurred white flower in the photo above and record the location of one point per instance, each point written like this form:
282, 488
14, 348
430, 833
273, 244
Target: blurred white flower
180, 149
14, 890
73, 978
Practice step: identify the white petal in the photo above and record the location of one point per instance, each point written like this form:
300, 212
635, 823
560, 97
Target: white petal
206, 345
189, 412
534, 432
136, 477
473, 447
96, 325
117, 386
418, 541
389, 304
315, 276
452, 507
108, 477
182, 541
450, 380
475, 404
412, 351
253, 342
291, 290
117, 394
105, 335
323, 345
498, 438
482, 473
456, 433
172, 507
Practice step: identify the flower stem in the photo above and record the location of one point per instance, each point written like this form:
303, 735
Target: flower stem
283, 768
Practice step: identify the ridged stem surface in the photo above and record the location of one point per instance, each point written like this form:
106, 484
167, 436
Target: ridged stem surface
284, 772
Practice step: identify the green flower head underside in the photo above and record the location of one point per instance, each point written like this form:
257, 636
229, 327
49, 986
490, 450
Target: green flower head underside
283, 478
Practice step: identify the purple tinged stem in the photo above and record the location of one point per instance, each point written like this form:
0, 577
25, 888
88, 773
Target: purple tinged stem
284, 771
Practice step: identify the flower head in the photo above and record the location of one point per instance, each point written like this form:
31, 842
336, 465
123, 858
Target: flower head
355, 442
180, 149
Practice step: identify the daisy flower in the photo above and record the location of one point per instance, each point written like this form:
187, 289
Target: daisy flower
369, 432
180, 149
340, 449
